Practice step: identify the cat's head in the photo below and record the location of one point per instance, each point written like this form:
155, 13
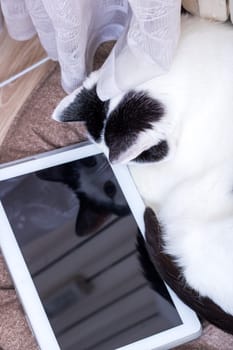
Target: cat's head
128, 128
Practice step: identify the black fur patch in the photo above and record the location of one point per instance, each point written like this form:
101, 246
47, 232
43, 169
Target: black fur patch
153, 154
135, 113
172, 275
149, 271
89, 108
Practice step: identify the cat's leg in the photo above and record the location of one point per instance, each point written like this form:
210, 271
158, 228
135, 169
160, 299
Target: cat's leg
172, 274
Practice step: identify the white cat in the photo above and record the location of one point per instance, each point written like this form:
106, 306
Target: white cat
180, 126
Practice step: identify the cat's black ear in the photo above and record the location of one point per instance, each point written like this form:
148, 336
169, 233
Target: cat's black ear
54, 174
67, 174
83, 105
130, 129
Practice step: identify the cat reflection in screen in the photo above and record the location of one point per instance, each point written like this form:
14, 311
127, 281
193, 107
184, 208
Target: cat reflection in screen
95, 188
180, 126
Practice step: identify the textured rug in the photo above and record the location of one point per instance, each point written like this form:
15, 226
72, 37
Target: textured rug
33, 132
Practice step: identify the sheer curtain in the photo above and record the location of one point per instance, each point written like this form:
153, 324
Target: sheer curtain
71, 30
145, 48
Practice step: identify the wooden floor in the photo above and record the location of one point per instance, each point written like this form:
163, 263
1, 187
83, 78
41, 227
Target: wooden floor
16, 56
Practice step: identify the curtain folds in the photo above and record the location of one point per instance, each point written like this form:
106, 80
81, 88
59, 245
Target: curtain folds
147, 32
70, 32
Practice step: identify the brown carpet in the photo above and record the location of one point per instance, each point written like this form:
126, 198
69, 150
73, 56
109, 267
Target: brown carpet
33, 132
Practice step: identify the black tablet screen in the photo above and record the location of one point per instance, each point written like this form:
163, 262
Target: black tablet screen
81, 246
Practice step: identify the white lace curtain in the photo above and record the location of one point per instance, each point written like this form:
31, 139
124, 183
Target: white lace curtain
71, 30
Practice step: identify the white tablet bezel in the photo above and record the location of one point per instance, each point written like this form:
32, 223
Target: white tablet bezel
26, 290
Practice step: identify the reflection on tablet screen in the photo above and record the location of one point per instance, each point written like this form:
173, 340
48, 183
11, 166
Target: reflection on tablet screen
79, 241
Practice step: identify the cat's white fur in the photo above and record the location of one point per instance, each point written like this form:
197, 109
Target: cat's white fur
192, 191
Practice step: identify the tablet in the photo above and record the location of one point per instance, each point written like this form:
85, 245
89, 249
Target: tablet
70, 223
